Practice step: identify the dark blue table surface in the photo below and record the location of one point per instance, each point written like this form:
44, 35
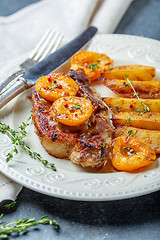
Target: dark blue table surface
136, 218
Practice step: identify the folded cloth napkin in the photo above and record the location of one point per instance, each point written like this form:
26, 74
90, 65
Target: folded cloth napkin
21, 31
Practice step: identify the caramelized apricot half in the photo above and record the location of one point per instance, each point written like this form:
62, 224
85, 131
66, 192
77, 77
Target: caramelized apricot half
55, 86
71, 111
129, 154
92, 63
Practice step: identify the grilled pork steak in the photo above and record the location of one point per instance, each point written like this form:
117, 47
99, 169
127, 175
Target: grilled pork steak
86, 144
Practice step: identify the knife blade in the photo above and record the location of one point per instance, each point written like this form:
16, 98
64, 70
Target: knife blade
47, 65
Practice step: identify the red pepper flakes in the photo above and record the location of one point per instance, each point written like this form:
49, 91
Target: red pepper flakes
86, 65
59, 86
71, 110
49, 79
65, 105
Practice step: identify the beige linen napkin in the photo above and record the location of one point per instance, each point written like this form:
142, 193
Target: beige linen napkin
21, 31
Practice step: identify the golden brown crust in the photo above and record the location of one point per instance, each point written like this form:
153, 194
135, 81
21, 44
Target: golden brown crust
146, 89
86, 144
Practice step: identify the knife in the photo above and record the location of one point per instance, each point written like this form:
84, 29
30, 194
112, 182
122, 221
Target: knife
47, 65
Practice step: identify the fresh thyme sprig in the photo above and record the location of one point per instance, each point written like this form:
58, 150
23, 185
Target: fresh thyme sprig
22, 225
128, 120
130, 150
110, 66
17, 137
116, 108
10, 205
84, 96
130, 132
146, 107
54, 85
76, 106
94, 65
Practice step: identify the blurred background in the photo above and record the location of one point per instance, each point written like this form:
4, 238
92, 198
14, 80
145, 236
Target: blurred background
142, 17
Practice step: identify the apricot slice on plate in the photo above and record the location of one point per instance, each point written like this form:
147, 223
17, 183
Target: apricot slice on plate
71, 111
129, 154
55, 86
92, 63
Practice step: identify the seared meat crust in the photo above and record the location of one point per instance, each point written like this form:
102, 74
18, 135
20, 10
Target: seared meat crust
86, 144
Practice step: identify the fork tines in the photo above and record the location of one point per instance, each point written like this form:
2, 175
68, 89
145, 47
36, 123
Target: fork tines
48, 44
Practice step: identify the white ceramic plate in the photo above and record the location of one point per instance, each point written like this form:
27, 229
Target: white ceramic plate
71, 181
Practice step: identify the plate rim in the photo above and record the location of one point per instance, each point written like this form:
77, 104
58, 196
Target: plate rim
5, 169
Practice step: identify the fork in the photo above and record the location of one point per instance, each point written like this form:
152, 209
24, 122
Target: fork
48, 44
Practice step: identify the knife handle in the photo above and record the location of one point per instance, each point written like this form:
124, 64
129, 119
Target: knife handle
19, 86
11, 78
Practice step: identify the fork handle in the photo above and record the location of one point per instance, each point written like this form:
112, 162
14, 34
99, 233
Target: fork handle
19, 86
11, 78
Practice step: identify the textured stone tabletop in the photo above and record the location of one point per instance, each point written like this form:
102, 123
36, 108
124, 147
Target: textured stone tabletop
134, 219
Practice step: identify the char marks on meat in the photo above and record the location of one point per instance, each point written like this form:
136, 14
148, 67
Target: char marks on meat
86, 144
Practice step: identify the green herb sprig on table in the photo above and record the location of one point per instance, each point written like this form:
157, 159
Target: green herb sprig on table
17, 137
22, 225
10, 205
